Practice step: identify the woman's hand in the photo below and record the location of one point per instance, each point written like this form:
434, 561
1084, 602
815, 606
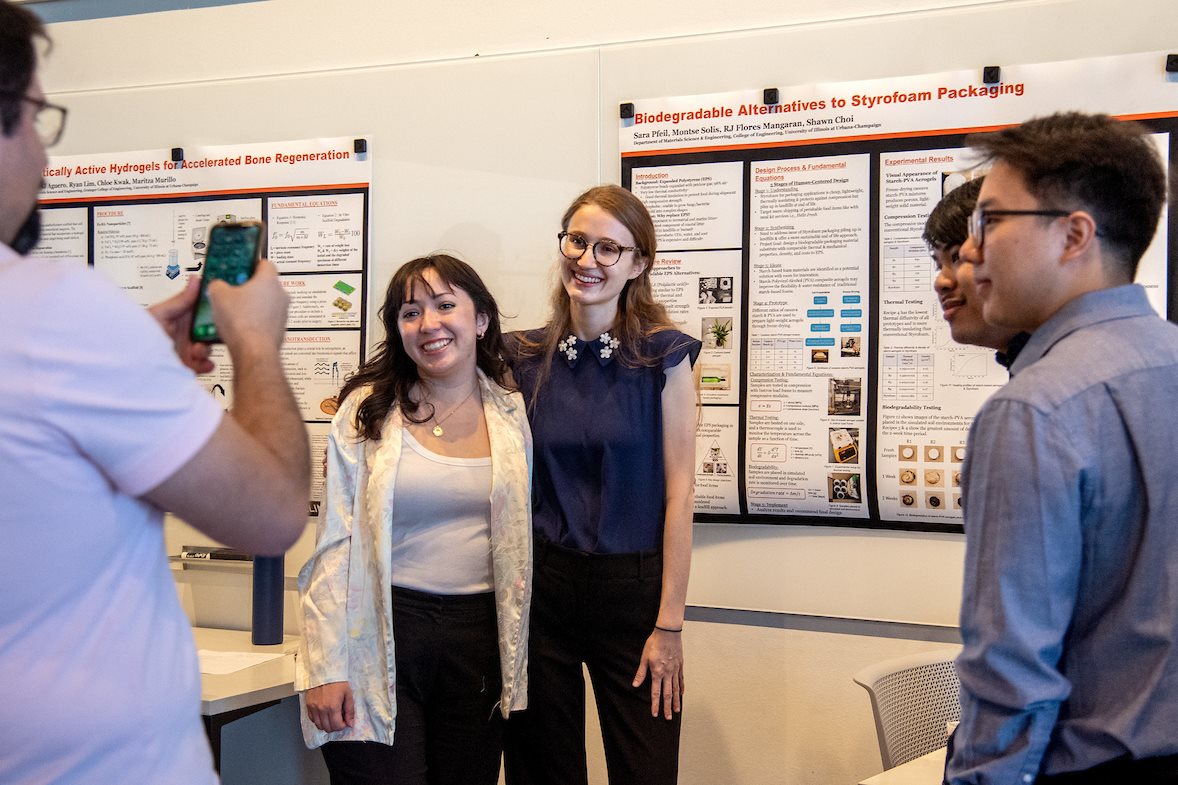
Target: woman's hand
330, 706
662, 657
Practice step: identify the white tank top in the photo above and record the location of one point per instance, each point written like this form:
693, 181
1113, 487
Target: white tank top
441, 521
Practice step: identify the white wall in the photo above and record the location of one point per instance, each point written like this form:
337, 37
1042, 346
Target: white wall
479, 154
313, 36
489, 118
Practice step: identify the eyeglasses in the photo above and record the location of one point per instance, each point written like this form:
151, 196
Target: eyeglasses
49, 120
606, 252
979, 218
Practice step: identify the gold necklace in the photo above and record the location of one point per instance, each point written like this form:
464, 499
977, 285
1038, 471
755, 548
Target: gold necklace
438, 423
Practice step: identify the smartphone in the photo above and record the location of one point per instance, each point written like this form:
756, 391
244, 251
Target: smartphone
232, 254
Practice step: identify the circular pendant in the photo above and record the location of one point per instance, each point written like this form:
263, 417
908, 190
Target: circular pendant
438, 430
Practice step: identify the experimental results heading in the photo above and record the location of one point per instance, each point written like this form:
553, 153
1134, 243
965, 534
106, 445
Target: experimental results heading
856, 100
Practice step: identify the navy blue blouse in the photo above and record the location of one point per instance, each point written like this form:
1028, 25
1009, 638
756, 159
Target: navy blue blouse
598, 485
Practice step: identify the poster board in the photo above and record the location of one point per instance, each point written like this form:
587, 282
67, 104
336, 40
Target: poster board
143, 219
790, 229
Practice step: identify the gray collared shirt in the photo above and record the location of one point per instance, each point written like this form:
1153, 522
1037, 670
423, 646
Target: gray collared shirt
1070, 609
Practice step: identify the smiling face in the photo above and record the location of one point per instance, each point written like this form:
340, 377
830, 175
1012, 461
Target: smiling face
591, 286
439, 328
1017, 271
960, 304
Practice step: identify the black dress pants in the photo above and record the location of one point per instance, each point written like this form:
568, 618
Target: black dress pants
597, 610
449, 729
1121, 771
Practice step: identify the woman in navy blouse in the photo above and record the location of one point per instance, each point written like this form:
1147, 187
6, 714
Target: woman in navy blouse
612, 402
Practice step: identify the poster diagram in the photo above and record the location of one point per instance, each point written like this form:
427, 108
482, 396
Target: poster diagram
715, 471
150, 249
142, 219
790, 244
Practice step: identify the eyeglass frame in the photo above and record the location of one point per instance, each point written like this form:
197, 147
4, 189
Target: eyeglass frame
977, 220
42, 105
592, 246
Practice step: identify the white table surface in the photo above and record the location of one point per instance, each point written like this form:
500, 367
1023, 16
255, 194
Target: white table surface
928, 769
268, 681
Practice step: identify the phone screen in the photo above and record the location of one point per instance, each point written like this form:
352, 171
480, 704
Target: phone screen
233, 251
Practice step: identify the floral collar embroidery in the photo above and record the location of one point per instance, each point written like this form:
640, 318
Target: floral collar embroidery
573, 347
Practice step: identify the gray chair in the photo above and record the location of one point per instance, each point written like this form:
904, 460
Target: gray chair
913, 699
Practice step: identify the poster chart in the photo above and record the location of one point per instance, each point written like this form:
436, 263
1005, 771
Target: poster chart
790, 243
142, 219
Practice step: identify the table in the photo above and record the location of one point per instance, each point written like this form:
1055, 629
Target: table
928, 769
231, 696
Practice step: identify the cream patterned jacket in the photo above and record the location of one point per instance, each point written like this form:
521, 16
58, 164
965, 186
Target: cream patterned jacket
345, 585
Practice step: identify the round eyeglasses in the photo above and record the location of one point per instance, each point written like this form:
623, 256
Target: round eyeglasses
605, 252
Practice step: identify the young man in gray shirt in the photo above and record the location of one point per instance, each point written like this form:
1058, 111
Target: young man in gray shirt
1070, 613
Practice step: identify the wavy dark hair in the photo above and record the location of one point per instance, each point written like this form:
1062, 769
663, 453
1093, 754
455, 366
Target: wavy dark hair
19, 28
639, 314
392, 373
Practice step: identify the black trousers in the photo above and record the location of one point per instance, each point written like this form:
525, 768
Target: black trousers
449, 729
597, 610
1121, 771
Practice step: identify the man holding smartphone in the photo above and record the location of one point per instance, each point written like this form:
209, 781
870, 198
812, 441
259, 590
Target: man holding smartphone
101, 428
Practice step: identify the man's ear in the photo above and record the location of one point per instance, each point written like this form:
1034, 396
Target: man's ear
1081, 235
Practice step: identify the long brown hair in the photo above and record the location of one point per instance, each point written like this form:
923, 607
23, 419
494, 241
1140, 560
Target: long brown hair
390, 370
639, 314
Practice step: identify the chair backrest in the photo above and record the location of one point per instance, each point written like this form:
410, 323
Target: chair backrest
913, 698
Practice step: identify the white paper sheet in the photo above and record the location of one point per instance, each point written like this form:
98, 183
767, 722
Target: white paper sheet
219, 663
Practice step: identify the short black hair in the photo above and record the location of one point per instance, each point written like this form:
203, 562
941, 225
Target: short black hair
19, 27
1074, 161
948, 224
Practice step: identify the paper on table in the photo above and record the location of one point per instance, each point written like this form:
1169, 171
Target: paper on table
218, 663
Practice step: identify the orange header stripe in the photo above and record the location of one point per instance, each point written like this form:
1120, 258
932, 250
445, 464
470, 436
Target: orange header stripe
805, 142
183, 194
1146, 116
862, 138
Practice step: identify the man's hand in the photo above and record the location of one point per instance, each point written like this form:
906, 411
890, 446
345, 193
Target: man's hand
258, 460
175, 317
253, 314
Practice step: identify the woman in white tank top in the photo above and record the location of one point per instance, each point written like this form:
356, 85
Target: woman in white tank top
425, 541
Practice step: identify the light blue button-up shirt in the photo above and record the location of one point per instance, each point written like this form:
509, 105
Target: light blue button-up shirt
1070, 610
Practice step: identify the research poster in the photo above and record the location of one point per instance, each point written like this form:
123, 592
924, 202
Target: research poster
790, 244
142, 219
